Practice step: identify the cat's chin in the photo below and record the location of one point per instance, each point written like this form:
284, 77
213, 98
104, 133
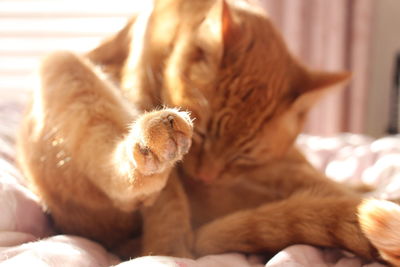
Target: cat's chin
221, 180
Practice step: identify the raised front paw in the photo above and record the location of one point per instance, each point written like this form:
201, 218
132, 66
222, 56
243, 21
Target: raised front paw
161, 138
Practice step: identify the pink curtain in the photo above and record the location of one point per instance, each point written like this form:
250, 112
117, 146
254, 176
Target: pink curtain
330, 35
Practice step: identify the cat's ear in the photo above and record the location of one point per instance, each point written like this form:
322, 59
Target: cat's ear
320, 80
217, 31
317, 84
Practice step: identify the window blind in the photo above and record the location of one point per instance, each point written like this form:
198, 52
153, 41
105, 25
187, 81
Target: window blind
29, 29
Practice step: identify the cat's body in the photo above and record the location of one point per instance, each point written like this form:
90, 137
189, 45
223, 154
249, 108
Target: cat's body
243, 186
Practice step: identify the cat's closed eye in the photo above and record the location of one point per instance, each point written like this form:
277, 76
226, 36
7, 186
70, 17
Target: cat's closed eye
243, 160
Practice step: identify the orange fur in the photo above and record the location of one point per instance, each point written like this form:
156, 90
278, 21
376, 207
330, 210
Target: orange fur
88, 154
379, 221
98, 160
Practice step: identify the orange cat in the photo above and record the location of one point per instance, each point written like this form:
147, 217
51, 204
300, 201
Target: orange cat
98, 154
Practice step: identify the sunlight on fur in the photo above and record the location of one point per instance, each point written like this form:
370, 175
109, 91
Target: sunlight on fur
380, 221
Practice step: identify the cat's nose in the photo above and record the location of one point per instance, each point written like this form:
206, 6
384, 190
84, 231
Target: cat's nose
207, 174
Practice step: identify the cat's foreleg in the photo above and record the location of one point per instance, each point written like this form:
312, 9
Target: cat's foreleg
128, 156
166, 226
166, 223
301, 219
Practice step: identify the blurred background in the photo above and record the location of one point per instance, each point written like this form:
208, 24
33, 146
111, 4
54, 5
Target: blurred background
362, 36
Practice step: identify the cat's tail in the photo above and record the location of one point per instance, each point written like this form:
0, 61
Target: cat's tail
380, 222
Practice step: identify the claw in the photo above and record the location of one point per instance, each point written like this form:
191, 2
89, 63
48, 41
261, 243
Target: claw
171, 120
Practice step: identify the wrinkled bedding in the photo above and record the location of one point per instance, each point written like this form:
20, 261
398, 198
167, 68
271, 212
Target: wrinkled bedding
26, 237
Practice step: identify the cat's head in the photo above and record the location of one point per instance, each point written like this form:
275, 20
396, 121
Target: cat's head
249, 96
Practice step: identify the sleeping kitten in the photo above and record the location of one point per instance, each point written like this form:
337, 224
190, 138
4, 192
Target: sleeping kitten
96, 157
